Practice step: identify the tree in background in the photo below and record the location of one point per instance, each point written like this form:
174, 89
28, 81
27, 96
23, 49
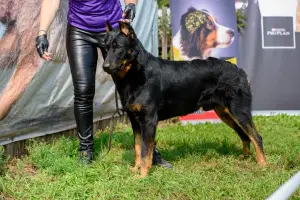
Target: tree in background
162, 3
241, 20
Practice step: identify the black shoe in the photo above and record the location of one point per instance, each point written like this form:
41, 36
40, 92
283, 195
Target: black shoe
158, 160
86, 157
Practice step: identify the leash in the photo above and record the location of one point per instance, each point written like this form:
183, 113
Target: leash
118, 111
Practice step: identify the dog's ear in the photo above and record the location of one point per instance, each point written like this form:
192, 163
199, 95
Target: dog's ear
127, 30
108, 27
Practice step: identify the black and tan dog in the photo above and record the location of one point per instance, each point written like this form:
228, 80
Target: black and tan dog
152, 89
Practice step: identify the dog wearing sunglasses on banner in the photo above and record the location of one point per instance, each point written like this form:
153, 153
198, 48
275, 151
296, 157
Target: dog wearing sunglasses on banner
199, 35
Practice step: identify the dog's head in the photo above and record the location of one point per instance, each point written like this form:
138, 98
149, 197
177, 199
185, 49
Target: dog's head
200, 32
121, 45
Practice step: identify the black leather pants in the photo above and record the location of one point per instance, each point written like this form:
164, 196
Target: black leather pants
82, 53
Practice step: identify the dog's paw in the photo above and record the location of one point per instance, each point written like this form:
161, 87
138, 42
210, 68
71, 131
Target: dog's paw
134, 169
263, 163
140, 176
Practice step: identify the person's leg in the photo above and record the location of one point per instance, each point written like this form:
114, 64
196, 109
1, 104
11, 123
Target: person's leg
82, 54
157, 158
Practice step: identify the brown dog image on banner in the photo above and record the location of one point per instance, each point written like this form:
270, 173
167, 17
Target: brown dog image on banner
17, 46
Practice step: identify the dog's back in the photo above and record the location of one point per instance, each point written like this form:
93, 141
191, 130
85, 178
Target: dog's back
189, 85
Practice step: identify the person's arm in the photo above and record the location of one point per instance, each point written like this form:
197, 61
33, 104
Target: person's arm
48, 11
129, 12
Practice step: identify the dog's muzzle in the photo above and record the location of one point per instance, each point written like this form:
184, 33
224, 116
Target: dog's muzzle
112, 70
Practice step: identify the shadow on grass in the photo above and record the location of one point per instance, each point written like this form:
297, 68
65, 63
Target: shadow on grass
204, 148
177, 151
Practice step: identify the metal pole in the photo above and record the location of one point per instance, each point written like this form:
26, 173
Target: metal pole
287, 189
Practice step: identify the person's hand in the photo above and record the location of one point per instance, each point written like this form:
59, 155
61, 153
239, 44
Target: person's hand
129, 13
42, 45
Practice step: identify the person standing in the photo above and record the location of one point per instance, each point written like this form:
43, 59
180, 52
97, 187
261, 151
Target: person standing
86, 31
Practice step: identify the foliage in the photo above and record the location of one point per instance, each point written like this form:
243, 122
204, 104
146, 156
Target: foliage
164, 26
2, 159
162, 3
241, 20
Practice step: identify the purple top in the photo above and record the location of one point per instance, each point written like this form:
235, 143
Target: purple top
91, 15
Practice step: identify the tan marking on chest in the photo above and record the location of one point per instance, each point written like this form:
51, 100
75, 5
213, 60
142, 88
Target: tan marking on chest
136, 107
124, 71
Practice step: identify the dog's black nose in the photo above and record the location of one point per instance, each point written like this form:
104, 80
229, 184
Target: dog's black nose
230, 32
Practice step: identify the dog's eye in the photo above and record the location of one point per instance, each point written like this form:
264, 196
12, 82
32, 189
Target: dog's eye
209, 23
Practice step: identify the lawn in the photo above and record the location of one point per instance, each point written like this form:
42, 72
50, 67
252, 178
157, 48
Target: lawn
205, 158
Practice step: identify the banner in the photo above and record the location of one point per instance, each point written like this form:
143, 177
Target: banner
269, 53
36, 97
203, 28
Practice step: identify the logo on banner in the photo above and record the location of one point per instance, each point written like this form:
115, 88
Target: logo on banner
278, 33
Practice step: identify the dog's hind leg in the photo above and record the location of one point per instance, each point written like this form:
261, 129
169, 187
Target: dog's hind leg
225, 117
242, 117
137, 142
148, 128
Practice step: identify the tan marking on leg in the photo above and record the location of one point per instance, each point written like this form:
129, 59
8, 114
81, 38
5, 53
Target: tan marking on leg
259, 153
231, 123
220, 112
137, 148
260, 157
147, 161
246, 149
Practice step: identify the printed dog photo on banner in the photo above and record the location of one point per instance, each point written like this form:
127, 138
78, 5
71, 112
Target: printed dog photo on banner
204, 28
19, 61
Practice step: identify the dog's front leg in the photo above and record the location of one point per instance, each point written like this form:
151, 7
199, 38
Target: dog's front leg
137, 142
148, 127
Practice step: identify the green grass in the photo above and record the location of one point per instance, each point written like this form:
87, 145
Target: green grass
205, 158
